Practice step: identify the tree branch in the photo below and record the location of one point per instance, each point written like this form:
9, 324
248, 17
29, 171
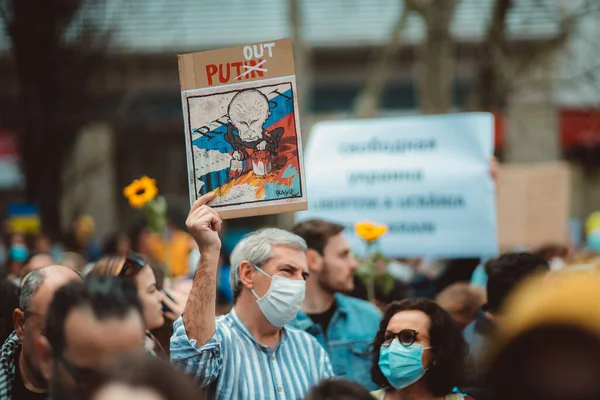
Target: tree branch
367, 103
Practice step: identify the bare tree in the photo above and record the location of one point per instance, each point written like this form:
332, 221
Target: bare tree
56, 46
501, 66
491, 87
435, 58
367, 103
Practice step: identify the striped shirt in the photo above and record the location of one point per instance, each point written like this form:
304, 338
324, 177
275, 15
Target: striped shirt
234, 365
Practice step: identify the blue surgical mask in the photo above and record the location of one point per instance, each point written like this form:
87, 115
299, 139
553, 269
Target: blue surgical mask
19, 252
283, 300
401, 365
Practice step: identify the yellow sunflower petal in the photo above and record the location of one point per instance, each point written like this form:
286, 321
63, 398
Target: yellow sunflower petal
370, 231
141, 191
137, 202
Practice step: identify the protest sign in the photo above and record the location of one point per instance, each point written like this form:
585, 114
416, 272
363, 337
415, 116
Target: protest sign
533, 205
242, 129
427, 178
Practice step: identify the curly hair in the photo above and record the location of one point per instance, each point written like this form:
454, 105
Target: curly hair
449, 349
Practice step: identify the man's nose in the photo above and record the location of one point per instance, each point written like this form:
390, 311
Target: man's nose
353, 263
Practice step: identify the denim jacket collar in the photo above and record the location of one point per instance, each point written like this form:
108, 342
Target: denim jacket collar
304, 322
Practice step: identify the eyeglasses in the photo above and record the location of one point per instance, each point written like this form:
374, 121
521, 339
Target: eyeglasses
133, 264
406, 337
82, 376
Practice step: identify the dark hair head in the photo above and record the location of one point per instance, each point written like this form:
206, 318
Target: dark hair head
338, 389
141, 370
105, 297
449, 349
316, 233
514, 372
30, 285
506, 272
111, 245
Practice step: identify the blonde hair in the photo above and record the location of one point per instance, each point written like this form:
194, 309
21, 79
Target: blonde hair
109, 266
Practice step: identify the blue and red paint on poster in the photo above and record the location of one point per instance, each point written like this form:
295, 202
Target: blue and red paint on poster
245, 144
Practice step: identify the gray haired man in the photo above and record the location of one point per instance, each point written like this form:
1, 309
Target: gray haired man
20, 376
248, 354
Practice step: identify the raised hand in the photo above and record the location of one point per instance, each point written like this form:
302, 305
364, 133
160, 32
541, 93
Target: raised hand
204, 224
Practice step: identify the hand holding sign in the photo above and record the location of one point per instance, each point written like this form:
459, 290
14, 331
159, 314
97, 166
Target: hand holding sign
204, 224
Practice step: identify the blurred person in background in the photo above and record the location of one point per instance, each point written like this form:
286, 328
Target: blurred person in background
343, 325
44, 243
462, 301
548, 346
20, 375
81, 238
118, 244
248, 353
75, 261
88, 324
140, 240
592, 230
142, 377
504, 274
180, 246
418, 353
135, 268
338, 389
18, 253
456, 270
554, 254
36, 261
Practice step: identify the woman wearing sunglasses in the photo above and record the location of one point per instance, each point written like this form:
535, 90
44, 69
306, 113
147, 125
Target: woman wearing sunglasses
134, 267
419, 353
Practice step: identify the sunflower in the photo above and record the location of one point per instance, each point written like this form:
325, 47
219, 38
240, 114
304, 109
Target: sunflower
370, 231
141, 191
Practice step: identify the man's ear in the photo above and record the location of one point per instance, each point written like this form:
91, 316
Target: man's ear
19, 323
314, 260
44, 356
246, 271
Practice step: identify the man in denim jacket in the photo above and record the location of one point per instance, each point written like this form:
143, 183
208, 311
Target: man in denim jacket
344, 325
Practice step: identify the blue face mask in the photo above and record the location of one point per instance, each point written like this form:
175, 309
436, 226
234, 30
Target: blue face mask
19, 252
402, 366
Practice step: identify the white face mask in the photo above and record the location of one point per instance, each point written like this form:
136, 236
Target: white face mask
283, 300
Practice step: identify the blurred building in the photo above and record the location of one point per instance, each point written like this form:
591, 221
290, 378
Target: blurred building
138, 126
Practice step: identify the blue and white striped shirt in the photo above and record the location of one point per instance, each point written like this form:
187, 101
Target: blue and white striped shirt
236, 366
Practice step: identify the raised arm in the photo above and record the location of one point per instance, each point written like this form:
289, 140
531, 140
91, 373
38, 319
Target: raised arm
204, 225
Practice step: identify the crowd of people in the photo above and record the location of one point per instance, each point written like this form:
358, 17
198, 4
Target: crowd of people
291, 322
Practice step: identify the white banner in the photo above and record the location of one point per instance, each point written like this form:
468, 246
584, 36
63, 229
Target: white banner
428, 178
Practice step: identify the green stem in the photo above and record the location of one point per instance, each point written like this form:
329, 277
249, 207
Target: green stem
371, 279
371, 288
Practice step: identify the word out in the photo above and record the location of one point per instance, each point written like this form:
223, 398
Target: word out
251, 68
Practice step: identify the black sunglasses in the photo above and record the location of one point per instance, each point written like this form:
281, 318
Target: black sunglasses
133, 264
406, 337
79, 374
